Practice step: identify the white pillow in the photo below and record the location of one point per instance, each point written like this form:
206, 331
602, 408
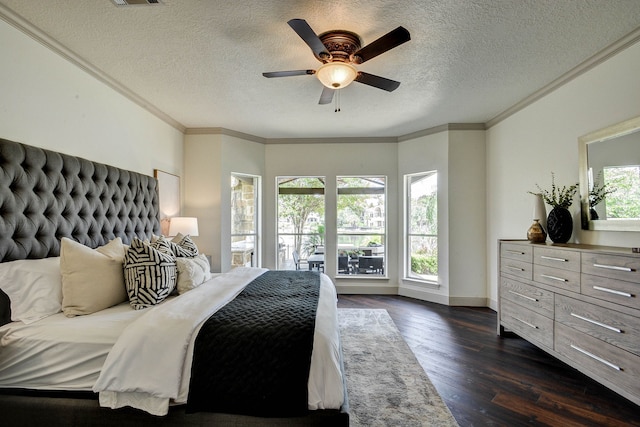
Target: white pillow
34, 287
192, 272
92, 279
115, 249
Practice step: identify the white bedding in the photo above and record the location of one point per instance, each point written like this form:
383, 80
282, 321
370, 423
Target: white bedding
58, 352
38, 356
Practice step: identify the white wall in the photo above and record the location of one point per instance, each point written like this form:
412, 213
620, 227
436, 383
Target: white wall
424, 154
525, 148
467, 218
48, 102
459, 158
209, 161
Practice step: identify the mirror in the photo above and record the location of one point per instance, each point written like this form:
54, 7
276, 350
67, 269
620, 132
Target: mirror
610, 177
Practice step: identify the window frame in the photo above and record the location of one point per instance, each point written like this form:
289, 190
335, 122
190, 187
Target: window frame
408, 275
383, 235
281, 263
256, 257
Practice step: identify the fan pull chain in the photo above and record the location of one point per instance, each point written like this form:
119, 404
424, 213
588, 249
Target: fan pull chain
337, 101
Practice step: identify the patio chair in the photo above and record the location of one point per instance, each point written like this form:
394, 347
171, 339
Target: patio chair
296, 259
343, 265
371, 264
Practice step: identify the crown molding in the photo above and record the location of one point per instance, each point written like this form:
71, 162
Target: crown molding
225, 131
442, 128
597, 59
350, 140
13, 19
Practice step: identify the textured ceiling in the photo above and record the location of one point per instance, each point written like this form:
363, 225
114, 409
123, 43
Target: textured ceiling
201, 62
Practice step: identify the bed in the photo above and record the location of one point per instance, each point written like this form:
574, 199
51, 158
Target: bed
171, 348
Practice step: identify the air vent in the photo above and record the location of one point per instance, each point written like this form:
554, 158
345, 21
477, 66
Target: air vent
136, 2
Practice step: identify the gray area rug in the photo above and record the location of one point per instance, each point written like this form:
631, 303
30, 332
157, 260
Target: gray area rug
386, 384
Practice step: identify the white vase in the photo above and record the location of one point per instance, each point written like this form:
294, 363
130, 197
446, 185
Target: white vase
540, 211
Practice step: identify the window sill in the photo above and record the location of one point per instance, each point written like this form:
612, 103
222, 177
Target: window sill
360, 276
423, 283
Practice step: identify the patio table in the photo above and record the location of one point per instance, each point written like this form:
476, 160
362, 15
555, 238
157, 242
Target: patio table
317, 261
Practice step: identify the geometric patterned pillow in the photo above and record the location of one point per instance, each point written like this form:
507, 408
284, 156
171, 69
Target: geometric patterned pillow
168, 246
150, 274
163, 245
186, 244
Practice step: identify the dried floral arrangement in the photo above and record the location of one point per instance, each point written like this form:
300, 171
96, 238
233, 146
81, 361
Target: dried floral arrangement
558, 197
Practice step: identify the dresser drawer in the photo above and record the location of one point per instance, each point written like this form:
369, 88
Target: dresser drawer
609, 363
563, 279
557, 258
618, 291
522, 252
531, 297
527, 323
517, 268
621, 330
612, 266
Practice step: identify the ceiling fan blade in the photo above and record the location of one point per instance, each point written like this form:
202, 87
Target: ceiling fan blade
377, 81
288, 73
309, 36
327, 96
387, 42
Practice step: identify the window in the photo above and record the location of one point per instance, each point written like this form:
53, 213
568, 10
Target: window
422, 226
361, 225
300, 223
245, 210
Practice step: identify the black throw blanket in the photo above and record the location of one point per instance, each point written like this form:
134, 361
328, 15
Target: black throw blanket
252, 357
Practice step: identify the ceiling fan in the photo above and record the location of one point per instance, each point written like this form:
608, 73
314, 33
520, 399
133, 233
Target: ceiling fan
339, 51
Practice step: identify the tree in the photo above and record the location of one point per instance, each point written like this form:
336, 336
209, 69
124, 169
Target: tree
624, 201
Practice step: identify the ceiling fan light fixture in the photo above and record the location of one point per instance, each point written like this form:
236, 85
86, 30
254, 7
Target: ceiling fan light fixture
336, 75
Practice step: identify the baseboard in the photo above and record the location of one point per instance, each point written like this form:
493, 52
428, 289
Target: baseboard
415, 292
423, 295
469, 301
367, 289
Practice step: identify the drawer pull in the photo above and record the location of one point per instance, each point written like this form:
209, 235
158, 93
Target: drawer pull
514, 252
613, 267
524, 296
510, 267
613, 291
595, 322
559, 279
531, 325
599, 359
550, 258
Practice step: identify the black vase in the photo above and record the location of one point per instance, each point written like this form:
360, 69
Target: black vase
559, 225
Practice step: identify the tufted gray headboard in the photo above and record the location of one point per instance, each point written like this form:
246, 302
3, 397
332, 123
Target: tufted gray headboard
45, 196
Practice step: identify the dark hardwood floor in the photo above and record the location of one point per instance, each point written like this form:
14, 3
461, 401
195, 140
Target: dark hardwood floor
486, 380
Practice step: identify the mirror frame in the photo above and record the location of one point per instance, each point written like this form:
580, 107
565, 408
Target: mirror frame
610, 132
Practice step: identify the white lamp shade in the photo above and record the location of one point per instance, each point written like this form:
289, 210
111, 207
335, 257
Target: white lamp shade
336, 75
183, 225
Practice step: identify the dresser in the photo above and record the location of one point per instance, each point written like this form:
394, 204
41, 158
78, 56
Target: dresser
579, 303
